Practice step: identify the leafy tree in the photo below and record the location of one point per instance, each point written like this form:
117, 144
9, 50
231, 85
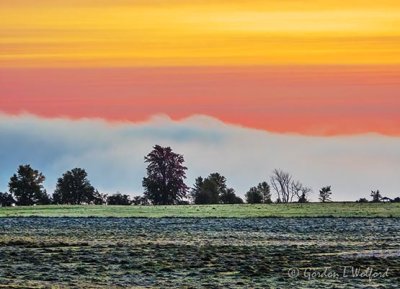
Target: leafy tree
119, 199
164, 184
74, 188
228, 196
6, 199
198, 193
362, 200
206, 191
254, 196
376, 196
265, 191
99, 198
219, 181
396, 200
325, 194
140, 200
213, 190
27, 187
238, 200
214, 186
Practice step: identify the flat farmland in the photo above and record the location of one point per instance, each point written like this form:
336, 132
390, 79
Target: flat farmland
107, 252
211, 211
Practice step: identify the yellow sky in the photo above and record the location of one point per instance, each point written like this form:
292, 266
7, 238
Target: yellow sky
181, 32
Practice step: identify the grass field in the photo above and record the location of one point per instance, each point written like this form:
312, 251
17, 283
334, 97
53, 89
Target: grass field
212, 211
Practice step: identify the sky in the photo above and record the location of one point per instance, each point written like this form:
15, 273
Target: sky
240, 87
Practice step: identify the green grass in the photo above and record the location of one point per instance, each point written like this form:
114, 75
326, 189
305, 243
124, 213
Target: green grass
204, 211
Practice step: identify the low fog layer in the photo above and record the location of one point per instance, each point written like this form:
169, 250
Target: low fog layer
112, 154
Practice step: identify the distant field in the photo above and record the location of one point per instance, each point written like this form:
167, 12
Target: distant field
215, 211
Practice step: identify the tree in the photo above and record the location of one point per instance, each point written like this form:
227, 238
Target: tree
300, 191
281, 182
376, 196
228, 196
164, 184
325, 194
215, 186
99, 198
396, 200
259, 194
27, 187
238, 200
303, 198
254, 196
74, 188
119, 199
6, 199
208, 190
265, 191
213, 190
200, 193
287, 188
140, 200
362, 200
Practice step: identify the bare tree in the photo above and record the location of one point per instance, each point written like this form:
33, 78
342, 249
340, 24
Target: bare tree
281, 182
287, 188
300, 191
296, 188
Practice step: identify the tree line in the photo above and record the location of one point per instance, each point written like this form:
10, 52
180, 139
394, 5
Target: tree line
164, 184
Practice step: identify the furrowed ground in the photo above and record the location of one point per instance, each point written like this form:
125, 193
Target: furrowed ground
218, 211
333, 245
199, 252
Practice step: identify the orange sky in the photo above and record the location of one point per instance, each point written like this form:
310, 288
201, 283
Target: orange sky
191, 33
312, 67
309, 100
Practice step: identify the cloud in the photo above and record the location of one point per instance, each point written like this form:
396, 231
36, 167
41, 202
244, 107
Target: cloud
113, 153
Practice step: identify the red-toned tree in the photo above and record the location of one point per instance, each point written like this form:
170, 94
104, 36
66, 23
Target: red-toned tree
164, 184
